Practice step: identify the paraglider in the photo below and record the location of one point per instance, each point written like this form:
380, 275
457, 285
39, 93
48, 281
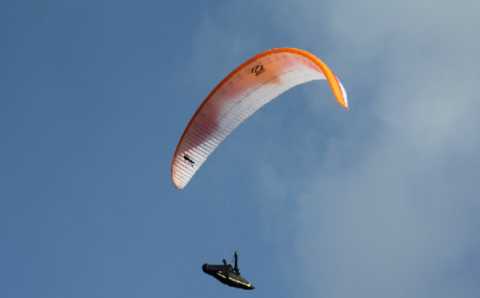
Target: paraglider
238, 96
228, 274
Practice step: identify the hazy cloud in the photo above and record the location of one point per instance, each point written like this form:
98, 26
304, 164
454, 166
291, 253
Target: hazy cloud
397, 217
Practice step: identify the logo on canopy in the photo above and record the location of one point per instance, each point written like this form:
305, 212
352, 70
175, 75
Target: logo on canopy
257, 69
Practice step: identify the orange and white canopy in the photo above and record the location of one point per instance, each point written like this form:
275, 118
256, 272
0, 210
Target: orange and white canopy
238, 96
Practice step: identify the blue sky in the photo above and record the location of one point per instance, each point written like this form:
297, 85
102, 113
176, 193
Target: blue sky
380, 201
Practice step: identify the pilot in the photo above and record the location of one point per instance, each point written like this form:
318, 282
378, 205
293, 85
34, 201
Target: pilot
230, 268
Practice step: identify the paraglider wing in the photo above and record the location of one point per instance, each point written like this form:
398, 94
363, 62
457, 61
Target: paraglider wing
245, 90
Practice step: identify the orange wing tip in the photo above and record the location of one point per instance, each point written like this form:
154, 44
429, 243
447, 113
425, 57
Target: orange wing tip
178, 185
344, 99
344, 104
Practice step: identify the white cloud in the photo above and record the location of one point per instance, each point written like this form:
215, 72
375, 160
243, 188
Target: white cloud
403, 212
